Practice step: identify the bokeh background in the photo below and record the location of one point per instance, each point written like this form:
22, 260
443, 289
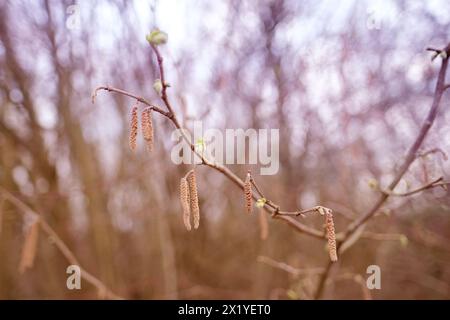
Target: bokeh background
347, 84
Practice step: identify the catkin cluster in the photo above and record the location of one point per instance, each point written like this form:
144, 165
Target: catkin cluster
146, 125
248, 193
331, 236
189, 200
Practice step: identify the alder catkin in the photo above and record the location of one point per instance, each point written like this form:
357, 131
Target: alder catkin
331, 236
263, 225
184, 198
248, 193
133, 127
194, 198
29, 247
147, 128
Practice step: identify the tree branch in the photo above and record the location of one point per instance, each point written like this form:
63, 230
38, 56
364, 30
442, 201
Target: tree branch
62, 247
435, 183
269, 206
411, 155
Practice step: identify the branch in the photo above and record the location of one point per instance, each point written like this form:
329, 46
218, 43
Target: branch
131, 95
385, 236
62, 247
288, 268
431, 151
277, 212
162, 75
435, 183
411, 155
269, 206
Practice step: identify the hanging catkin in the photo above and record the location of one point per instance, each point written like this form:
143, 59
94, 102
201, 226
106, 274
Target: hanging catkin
248, 193
263, 224
29, 247
194, 198
331, 236
184, 198
147, 128
133, 127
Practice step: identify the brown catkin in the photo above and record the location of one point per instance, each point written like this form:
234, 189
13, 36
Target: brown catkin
248, 193
194, 198
29, 247
331, 236
133, 127
185, 205
263, 224
147, 128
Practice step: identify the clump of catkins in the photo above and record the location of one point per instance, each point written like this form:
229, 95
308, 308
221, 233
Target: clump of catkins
189, 200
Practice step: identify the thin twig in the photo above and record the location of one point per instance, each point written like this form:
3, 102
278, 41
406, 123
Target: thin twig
131, 95
430, 185
384, 236
434, 150
256, 186
59, 243
288, 268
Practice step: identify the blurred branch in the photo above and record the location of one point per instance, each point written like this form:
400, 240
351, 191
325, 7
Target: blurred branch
288, 268
358, 279
411, 156
385, 236
435, 183
434, 150
296, 272
62, 247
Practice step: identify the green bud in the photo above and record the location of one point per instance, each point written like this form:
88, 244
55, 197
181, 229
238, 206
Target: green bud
261, 202
157, 85
373, 184
403, 240
443, 54
156, 37
200, 145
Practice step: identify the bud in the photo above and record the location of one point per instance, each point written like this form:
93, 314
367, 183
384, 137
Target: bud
157, 85
373, 184
261, 202
403, 240
200, 145
156, 37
